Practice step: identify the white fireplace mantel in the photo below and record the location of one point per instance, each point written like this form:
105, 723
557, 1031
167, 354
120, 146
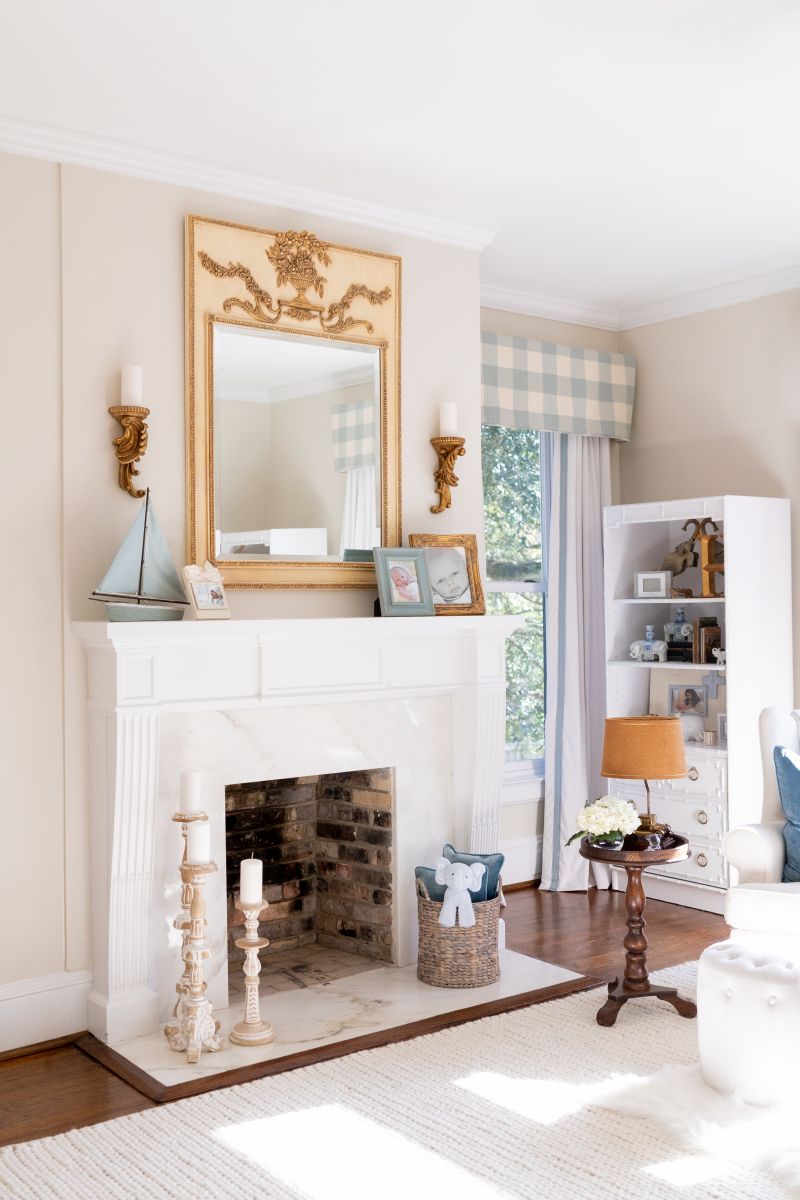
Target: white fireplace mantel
271, 699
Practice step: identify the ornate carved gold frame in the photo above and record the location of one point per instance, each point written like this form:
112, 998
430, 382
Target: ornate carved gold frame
238, 269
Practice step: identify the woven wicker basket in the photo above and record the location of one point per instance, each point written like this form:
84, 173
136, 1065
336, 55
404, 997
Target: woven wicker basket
456, 957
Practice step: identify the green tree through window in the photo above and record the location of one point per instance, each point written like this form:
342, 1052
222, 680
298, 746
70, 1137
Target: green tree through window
515, 536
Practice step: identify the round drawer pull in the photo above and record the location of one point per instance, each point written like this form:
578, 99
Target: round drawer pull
701, 860
693, 773
702, 817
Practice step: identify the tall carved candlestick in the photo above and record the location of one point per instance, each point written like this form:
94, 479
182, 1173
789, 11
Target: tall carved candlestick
252, 1031
448, 449
194, 1028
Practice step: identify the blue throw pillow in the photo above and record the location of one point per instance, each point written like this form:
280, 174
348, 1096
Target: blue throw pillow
428, 876
787, 768
491, 878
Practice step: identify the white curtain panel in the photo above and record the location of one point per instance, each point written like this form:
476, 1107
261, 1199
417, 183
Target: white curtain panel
360, 515
581, 486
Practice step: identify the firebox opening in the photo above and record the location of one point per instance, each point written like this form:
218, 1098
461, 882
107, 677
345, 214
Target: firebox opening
326, 845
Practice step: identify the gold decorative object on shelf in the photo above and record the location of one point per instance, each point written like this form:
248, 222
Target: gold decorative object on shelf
131, 444
712, 561
448, 450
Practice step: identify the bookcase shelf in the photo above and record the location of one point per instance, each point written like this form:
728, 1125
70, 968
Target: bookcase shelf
724, 786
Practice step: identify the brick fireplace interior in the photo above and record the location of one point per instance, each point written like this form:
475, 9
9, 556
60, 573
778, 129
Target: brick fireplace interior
326, 845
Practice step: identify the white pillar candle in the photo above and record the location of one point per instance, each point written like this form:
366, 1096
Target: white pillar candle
131, 389
198, 847
191, 792
250, 881
448, 419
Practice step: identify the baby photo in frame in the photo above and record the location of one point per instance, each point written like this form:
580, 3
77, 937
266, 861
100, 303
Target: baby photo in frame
206, 593
404, 589
452, 561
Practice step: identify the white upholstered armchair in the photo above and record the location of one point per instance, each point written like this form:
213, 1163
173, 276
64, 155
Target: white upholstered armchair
762, 911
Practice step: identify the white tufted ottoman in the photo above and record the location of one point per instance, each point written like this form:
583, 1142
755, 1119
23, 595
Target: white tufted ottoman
748, 1022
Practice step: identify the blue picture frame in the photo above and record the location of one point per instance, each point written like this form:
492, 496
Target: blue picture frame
404, 588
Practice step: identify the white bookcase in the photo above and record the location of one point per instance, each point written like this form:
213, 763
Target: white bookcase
724, 784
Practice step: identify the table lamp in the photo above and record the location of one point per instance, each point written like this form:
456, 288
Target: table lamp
644, 748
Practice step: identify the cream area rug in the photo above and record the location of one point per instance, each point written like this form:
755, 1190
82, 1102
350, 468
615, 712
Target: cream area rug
541, 1102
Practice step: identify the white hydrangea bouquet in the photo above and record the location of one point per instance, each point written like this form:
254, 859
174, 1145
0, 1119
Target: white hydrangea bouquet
609, 819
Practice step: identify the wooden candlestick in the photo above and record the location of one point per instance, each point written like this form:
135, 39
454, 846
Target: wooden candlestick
252, 1031
448, 449
194, 1028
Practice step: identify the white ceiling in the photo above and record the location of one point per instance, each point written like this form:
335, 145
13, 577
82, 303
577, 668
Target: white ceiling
624, 152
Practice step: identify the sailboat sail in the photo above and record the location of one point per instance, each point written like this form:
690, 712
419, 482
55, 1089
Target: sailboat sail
143, 568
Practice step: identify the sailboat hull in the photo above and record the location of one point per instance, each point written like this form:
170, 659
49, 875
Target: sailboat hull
143, 612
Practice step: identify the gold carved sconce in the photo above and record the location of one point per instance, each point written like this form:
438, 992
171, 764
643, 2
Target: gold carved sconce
132, 442
448, 447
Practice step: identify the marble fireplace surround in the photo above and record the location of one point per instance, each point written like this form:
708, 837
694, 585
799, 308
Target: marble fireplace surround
252, 700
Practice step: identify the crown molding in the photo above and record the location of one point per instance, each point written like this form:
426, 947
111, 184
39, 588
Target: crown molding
651, 312
553, 309
755, 287
71, 146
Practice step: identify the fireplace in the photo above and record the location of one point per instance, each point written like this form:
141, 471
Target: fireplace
326, 845
423, 699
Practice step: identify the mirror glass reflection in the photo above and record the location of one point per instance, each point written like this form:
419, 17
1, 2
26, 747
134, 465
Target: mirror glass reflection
296, 426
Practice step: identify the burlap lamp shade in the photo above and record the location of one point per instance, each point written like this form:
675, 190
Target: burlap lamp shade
643, 748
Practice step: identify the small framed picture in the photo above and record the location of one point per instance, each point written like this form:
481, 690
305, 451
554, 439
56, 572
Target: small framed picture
452, 561
685, 701
404, 589
652, 585
722, 726
206, 593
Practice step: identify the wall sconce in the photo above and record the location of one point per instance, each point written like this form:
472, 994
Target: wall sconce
448, 448
132, 443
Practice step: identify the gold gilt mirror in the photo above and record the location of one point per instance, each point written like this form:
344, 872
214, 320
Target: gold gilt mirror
293, 406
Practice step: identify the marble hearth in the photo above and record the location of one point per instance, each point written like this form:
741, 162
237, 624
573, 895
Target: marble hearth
258, 700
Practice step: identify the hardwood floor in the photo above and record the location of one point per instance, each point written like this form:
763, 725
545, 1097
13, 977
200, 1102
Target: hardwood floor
62, 1088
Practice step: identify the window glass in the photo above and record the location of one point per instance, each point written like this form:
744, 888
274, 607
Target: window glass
512, 496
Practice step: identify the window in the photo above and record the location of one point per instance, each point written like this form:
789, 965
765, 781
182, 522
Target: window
516, 494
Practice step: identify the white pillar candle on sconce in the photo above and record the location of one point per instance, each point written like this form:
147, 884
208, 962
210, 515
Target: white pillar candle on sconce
250, 881
132, 385
191, 792
448, 419
198, 843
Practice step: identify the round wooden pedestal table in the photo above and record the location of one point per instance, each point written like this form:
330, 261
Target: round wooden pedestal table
635, 984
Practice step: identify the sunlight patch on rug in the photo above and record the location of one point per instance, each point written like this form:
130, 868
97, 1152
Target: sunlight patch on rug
300, 1148
544, 1101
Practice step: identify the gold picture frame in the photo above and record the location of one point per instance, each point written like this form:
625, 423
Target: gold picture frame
454, 599
241, 275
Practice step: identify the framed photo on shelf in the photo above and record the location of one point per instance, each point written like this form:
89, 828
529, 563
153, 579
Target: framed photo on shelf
652, 585
206, 593
710, 639
722, 727
452, 561
688, 700
404, 589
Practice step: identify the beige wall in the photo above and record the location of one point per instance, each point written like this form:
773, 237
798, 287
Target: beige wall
717, 410
31, 732
101, 255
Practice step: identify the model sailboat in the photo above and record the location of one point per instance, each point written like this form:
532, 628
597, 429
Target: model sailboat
142, 583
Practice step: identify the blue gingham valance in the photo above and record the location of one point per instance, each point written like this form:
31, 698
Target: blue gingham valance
558, 389
354, 433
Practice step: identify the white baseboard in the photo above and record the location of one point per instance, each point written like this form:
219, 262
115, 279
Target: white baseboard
49, 1006
523, 859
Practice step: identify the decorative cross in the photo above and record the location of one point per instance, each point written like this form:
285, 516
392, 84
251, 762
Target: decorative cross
712, 682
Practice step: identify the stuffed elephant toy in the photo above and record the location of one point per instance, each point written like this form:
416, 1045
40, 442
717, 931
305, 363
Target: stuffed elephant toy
460, 879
